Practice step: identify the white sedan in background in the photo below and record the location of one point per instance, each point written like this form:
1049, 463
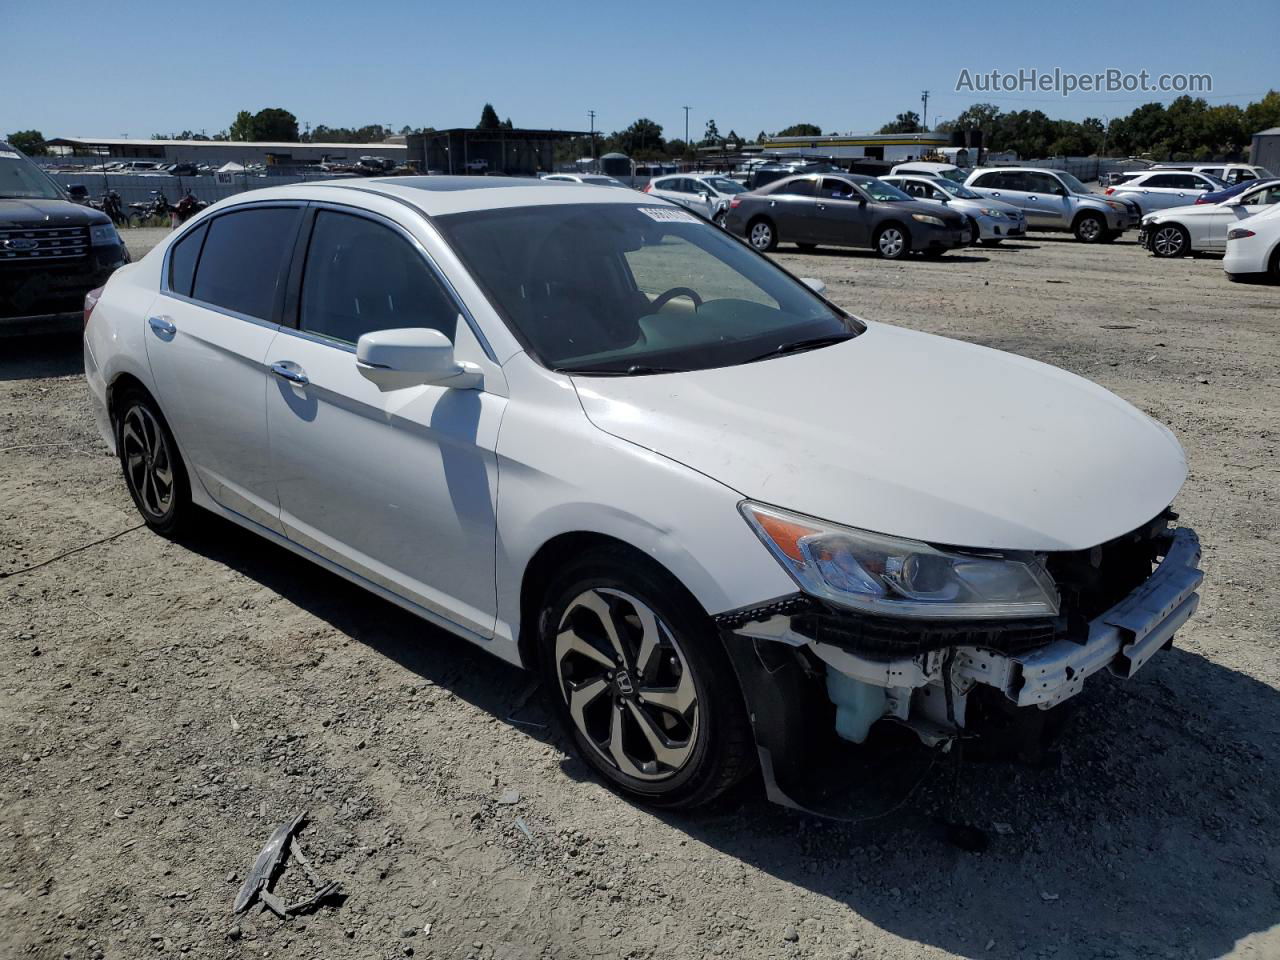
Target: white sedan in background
1253, 246
707, 194
602, 439
595, 179
1203, 227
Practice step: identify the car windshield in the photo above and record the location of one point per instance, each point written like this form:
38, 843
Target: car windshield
879, 190
604, 181
1263, 173
954, 175
725, 185
22, 179
1070, 182
617, 289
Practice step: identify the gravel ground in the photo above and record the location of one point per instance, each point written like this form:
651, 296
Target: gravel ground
166, 705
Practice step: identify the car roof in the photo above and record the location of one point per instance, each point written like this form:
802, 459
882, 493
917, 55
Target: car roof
442, 195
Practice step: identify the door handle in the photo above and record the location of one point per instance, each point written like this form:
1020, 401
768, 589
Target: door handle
822, 206
287, 370
995, 193
162, 326
1033, 197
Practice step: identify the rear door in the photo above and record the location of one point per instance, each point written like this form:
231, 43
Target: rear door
843, 216
207, 341
1006, 185
1045, 201
399, 485
794, 208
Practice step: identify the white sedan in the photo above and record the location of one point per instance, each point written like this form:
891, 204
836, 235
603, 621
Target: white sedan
1253, 247
602, 439
1203, 227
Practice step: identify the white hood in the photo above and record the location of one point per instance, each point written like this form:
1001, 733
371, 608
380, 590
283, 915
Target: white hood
911, 435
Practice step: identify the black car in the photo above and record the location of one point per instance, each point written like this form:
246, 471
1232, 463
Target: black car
52, 250
844, 210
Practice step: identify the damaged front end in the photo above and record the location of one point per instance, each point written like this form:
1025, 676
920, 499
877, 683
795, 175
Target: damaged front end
816, 674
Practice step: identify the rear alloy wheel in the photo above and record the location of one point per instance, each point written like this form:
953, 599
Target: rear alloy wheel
153, 469
762, 236
1090, 228
642, 685
1170, 240
892, 242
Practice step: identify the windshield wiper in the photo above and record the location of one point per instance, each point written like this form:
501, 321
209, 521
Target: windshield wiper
795, 346
635, 370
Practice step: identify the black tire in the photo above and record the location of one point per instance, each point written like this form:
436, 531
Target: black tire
719, 219
717, 748
1170, 240
807, 247
147, 453
888, 248
975, 232
1089, 228
762, 234
1273, 272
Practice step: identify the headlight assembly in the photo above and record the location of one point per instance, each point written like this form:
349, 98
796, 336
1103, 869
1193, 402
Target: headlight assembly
902, 578
103, 235
925, 218
992, 212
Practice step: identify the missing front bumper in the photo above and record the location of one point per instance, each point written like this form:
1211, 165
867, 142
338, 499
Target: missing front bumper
786, 676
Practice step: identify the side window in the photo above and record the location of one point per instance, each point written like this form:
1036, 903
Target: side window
182, 260
1041, 183
1161, 180
362, 276
800, 188
989, 181
244, 259
1212, 171
1267, 196
837, 189
936, 194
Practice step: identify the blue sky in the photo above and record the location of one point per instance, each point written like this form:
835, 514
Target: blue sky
138, 67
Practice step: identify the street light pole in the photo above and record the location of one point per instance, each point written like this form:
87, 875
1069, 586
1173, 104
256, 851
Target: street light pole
592, 115
686, 129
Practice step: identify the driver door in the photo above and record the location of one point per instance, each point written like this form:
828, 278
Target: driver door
842, 214
395, 485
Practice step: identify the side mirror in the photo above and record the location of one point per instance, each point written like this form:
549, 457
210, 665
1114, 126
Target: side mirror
411, 357
816, 285
78, 192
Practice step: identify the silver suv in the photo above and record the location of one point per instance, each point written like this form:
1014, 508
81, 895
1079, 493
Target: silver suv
1055, 200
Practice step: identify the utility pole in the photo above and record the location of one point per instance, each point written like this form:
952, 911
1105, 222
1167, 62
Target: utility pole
924, 99
686, 130
592, 115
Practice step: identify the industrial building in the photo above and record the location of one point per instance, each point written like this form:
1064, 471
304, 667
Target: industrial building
218, 152
468, 150
898, 147
1266, 150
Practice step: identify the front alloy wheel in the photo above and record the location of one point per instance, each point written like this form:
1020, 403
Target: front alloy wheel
891, 242
1168, 241
627, 685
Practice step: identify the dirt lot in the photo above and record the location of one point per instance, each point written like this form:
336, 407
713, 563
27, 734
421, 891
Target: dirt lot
165, 706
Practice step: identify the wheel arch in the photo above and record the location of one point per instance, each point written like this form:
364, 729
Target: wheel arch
551, 557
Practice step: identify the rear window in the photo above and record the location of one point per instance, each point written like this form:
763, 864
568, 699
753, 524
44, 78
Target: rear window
182, 260
244, 258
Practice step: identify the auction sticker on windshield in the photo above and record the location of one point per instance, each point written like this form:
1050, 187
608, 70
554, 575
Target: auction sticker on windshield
668, 215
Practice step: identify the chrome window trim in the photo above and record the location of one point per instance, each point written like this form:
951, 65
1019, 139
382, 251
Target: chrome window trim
194, 224
214, 308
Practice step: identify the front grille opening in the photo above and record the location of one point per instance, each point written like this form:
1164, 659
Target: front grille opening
41, 244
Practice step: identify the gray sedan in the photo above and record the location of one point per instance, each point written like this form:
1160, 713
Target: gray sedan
990, 221
844, 210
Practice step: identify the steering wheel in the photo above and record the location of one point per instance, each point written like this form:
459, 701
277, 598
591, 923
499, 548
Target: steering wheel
668, 296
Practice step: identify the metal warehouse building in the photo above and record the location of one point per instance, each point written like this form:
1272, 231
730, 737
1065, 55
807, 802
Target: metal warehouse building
1266, 150
223, 151
872, 146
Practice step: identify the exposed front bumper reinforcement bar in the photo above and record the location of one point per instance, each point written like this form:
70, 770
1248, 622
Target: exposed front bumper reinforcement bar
778, 665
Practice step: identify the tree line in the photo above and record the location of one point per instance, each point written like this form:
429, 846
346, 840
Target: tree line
1187, 129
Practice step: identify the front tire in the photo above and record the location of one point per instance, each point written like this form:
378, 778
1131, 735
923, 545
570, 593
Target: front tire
892, 241
762, 234
1090, 228
641, 683
1170, 240
152, 465
975, 232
